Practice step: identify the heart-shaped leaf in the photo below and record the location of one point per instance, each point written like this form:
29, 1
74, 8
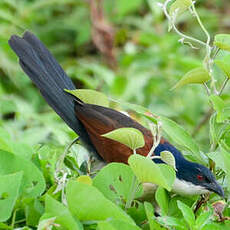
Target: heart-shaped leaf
148, 171
131, 137
87, 203
114, 181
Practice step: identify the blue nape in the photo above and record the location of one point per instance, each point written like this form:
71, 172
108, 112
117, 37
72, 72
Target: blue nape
168, 147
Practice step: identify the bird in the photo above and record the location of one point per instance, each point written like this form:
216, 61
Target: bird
90, 121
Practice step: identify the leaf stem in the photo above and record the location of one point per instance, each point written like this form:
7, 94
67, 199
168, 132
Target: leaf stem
223, 86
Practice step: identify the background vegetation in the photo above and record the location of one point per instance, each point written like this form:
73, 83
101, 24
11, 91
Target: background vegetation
123, 49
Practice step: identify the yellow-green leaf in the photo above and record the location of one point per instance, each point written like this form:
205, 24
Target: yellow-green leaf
168, 158
90, 96
194, 76
133, 138
222, 41
147, 171
85, 180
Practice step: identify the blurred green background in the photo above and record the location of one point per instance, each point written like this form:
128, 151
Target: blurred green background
145, 62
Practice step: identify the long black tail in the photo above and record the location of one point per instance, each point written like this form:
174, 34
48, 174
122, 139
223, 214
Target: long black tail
43, 69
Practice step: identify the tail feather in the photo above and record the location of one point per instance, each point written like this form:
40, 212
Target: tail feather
42, 68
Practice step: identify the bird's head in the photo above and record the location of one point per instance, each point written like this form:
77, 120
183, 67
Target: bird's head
191, 178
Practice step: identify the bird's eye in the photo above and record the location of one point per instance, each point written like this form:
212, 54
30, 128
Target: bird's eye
200, 177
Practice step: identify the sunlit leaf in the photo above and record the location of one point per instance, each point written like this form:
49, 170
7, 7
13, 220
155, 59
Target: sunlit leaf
148, 171
86, 202
187, 213
162, 199
90, 96
114, 181
222, 41
194, 76
168, 158
85, 180
131, 137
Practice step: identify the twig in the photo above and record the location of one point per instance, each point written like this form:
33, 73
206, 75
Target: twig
223, 86
164, 6
203, 121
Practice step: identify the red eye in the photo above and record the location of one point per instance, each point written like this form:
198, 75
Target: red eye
199, 177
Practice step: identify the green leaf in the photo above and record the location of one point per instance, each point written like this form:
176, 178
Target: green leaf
90, 96
55, 209
168, 158
181, 137
149, 210
131, 137
187, 213
9, 192
114, 181
222, 41
223, 64
220, 108
137, 108
179, 223
85, 179
202, 219
179, 7
162, 200
86, 202
33, 182
194, 76
124, 7
148, 171
226, 159
116, 225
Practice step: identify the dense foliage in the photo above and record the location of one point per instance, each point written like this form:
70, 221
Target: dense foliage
41, 189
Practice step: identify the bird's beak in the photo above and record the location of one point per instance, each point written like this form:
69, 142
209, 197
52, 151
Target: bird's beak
215, 187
